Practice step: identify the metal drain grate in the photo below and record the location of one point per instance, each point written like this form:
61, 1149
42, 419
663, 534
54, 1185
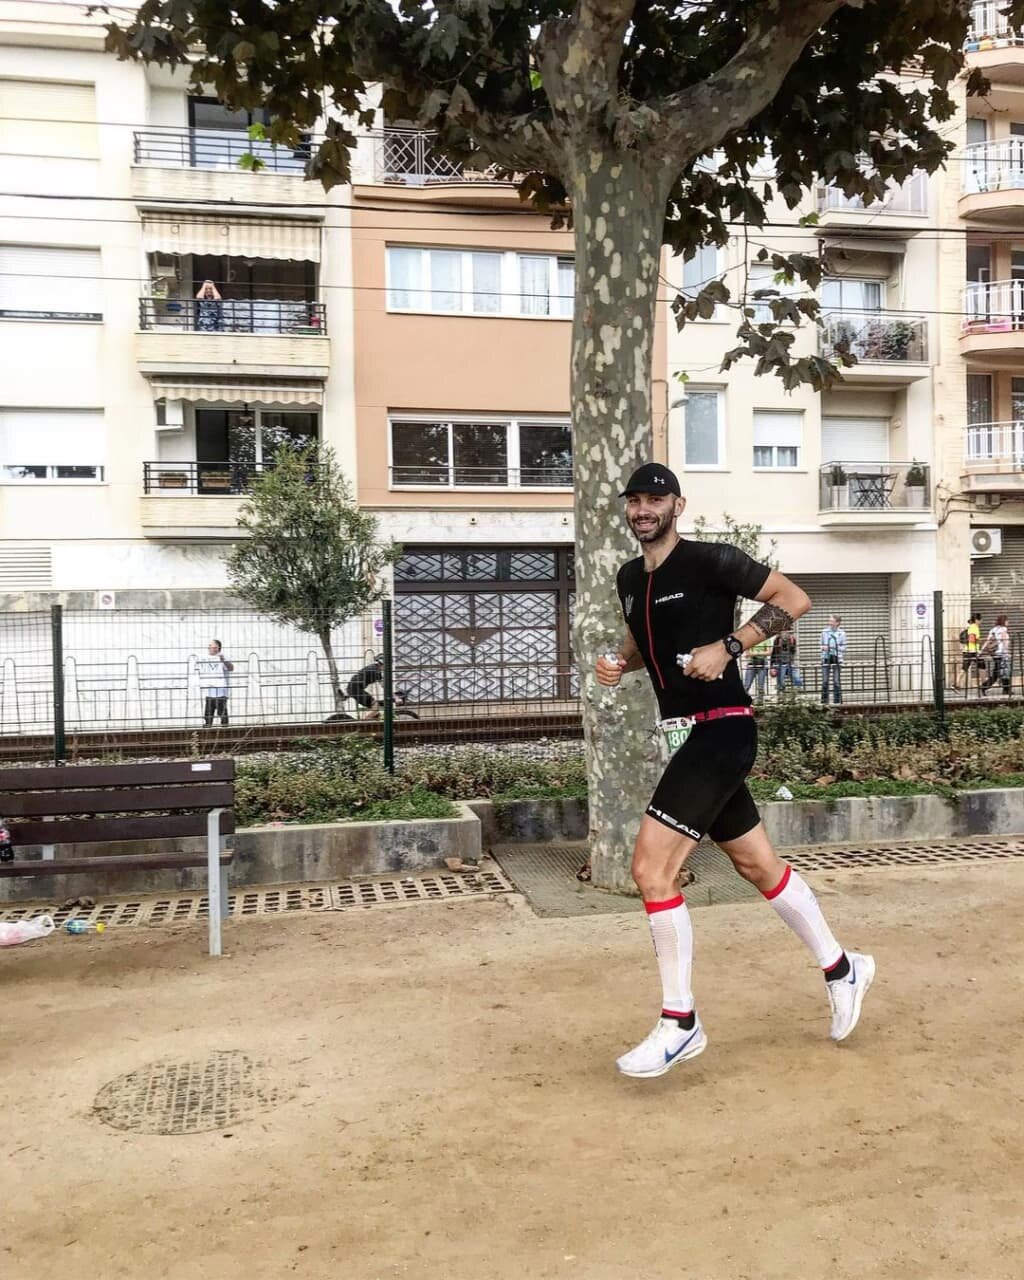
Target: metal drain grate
905, 854
168, 1097
344, 895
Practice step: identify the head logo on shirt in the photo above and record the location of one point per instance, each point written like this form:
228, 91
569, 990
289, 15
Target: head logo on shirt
629, 604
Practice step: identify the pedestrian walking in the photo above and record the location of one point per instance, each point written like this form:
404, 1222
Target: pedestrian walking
213, 672
997, 644
970, 652
678, 600
833, 653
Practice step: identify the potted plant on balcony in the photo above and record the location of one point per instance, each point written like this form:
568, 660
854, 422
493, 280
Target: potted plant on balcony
916, 485
172, 479
895, 340
838, 487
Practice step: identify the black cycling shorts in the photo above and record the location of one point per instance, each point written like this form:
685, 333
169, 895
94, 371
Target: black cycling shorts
703, 790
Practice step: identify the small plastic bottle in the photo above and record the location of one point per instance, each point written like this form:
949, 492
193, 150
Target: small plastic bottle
616, 661
83, 926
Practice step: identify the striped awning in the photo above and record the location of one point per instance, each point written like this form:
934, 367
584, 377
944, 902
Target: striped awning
290, 239
226, 391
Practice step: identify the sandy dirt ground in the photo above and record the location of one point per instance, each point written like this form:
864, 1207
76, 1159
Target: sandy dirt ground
450, 1108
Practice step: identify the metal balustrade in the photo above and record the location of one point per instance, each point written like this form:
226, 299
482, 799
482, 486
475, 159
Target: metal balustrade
908, 197
218, 479
876, 335
993, 166
289, 316
995, 444
993, 306
874, 486
217, 149
408, 156
989, 27
499, 476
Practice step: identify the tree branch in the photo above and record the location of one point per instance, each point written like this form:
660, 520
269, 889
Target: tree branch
700, 116
579, 59
518, 143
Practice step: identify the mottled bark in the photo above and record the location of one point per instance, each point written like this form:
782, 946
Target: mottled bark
618, 204
332, 668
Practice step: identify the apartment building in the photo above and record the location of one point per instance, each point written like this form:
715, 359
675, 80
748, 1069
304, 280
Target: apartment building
170, 319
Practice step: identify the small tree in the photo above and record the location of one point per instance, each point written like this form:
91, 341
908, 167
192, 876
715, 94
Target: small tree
311, 558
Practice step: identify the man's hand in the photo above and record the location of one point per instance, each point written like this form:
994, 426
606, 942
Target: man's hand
609, 669
707, 662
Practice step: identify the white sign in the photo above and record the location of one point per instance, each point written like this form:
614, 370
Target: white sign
106, 600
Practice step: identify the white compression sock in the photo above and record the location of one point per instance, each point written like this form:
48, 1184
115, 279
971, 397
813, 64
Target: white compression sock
673, 945
794, 901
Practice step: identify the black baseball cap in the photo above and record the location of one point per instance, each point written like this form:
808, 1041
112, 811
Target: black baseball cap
652, 477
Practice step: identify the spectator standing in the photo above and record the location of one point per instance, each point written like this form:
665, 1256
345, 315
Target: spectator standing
998, 645
833, 653
783, 660
758, 657
213, 671
970, 651
209, 308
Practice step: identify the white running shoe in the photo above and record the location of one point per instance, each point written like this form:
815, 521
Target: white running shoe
667, 1044
846, 995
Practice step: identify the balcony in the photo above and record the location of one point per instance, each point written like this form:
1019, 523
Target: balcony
903, 211
992, 45
220, 166
499, 476
993, 327
992, 181
874, 493
994, 458
396, 160
263, 337
194, 501
891, 348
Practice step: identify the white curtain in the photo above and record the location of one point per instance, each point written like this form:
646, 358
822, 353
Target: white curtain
487, 283
405, 279
534, 285
445, 280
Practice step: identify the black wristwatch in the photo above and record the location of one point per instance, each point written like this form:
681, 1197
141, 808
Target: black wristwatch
733, 647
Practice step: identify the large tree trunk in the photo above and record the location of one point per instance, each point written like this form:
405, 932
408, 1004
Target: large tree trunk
618, 208
332, 668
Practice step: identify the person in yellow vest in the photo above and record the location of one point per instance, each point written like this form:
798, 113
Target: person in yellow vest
758, 657
970, 652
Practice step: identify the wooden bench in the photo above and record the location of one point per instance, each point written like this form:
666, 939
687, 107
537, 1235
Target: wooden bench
88, 804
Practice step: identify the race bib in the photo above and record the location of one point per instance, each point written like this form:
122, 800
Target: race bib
676, 731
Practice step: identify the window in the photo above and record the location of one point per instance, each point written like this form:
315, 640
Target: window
48, 118
703, 445
471, 454
977, 130
852, 295
52, 444
762, 276
479, 282
38, 282
778, 437
700, 269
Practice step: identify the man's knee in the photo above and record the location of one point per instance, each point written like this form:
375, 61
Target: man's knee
658, 856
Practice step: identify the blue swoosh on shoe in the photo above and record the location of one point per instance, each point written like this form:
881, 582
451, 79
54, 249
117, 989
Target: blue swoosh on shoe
671, 1057
853, 975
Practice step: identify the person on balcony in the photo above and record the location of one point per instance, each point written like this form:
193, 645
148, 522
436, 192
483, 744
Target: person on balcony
833, 651
209, 308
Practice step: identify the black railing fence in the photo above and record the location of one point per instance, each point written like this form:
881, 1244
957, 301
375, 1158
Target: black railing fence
216, 149
292, 317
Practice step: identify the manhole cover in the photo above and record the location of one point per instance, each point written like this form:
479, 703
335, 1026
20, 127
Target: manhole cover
187, 1097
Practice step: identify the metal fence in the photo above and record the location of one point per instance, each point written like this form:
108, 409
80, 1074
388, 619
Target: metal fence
77, 683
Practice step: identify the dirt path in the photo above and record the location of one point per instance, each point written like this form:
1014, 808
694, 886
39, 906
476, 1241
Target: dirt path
452, 1111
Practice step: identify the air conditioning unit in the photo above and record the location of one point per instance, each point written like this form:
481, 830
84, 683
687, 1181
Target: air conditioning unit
986, 542
170, 415
165, 265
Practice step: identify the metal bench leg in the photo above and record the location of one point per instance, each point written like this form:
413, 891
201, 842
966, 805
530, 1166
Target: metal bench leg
225, 906
214, 897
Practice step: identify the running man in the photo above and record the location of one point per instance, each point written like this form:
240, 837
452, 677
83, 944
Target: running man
678, 599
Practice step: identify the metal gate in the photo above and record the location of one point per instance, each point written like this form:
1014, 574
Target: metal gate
997, 583
483, 624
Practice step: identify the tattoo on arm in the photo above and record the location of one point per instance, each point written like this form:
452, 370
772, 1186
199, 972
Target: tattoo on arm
771, 620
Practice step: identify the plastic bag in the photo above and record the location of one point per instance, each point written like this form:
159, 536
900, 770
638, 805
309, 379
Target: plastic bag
26, 930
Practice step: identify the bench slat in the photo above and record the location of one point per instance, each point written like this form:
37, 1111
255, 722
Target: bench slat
162, 772
217, 795
94, 830
76, 866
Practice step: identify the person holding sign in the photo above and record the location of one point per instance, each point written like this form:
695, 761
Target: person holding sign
679, 600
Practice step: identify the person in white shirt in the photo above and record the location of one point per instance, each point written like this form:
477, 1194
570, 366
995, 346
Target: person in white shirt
213, 680
998, 645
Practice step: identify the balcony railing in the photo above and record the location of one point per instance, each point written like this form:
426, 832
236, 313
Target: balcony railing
994, 306
216, 149
876, 336
408, 156
871, 487
213, 479
910, 197
993, 166
995, 444
288, 316
989, 28
441, 476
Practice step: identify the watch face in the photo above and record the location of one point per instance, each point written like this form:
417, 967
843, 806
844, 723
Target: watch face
733, 646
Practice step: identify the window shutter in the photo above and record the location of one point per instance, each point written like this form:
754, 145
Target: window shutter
24, 568
48, 118
784, 429
854, 440
41, 278
52, 437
